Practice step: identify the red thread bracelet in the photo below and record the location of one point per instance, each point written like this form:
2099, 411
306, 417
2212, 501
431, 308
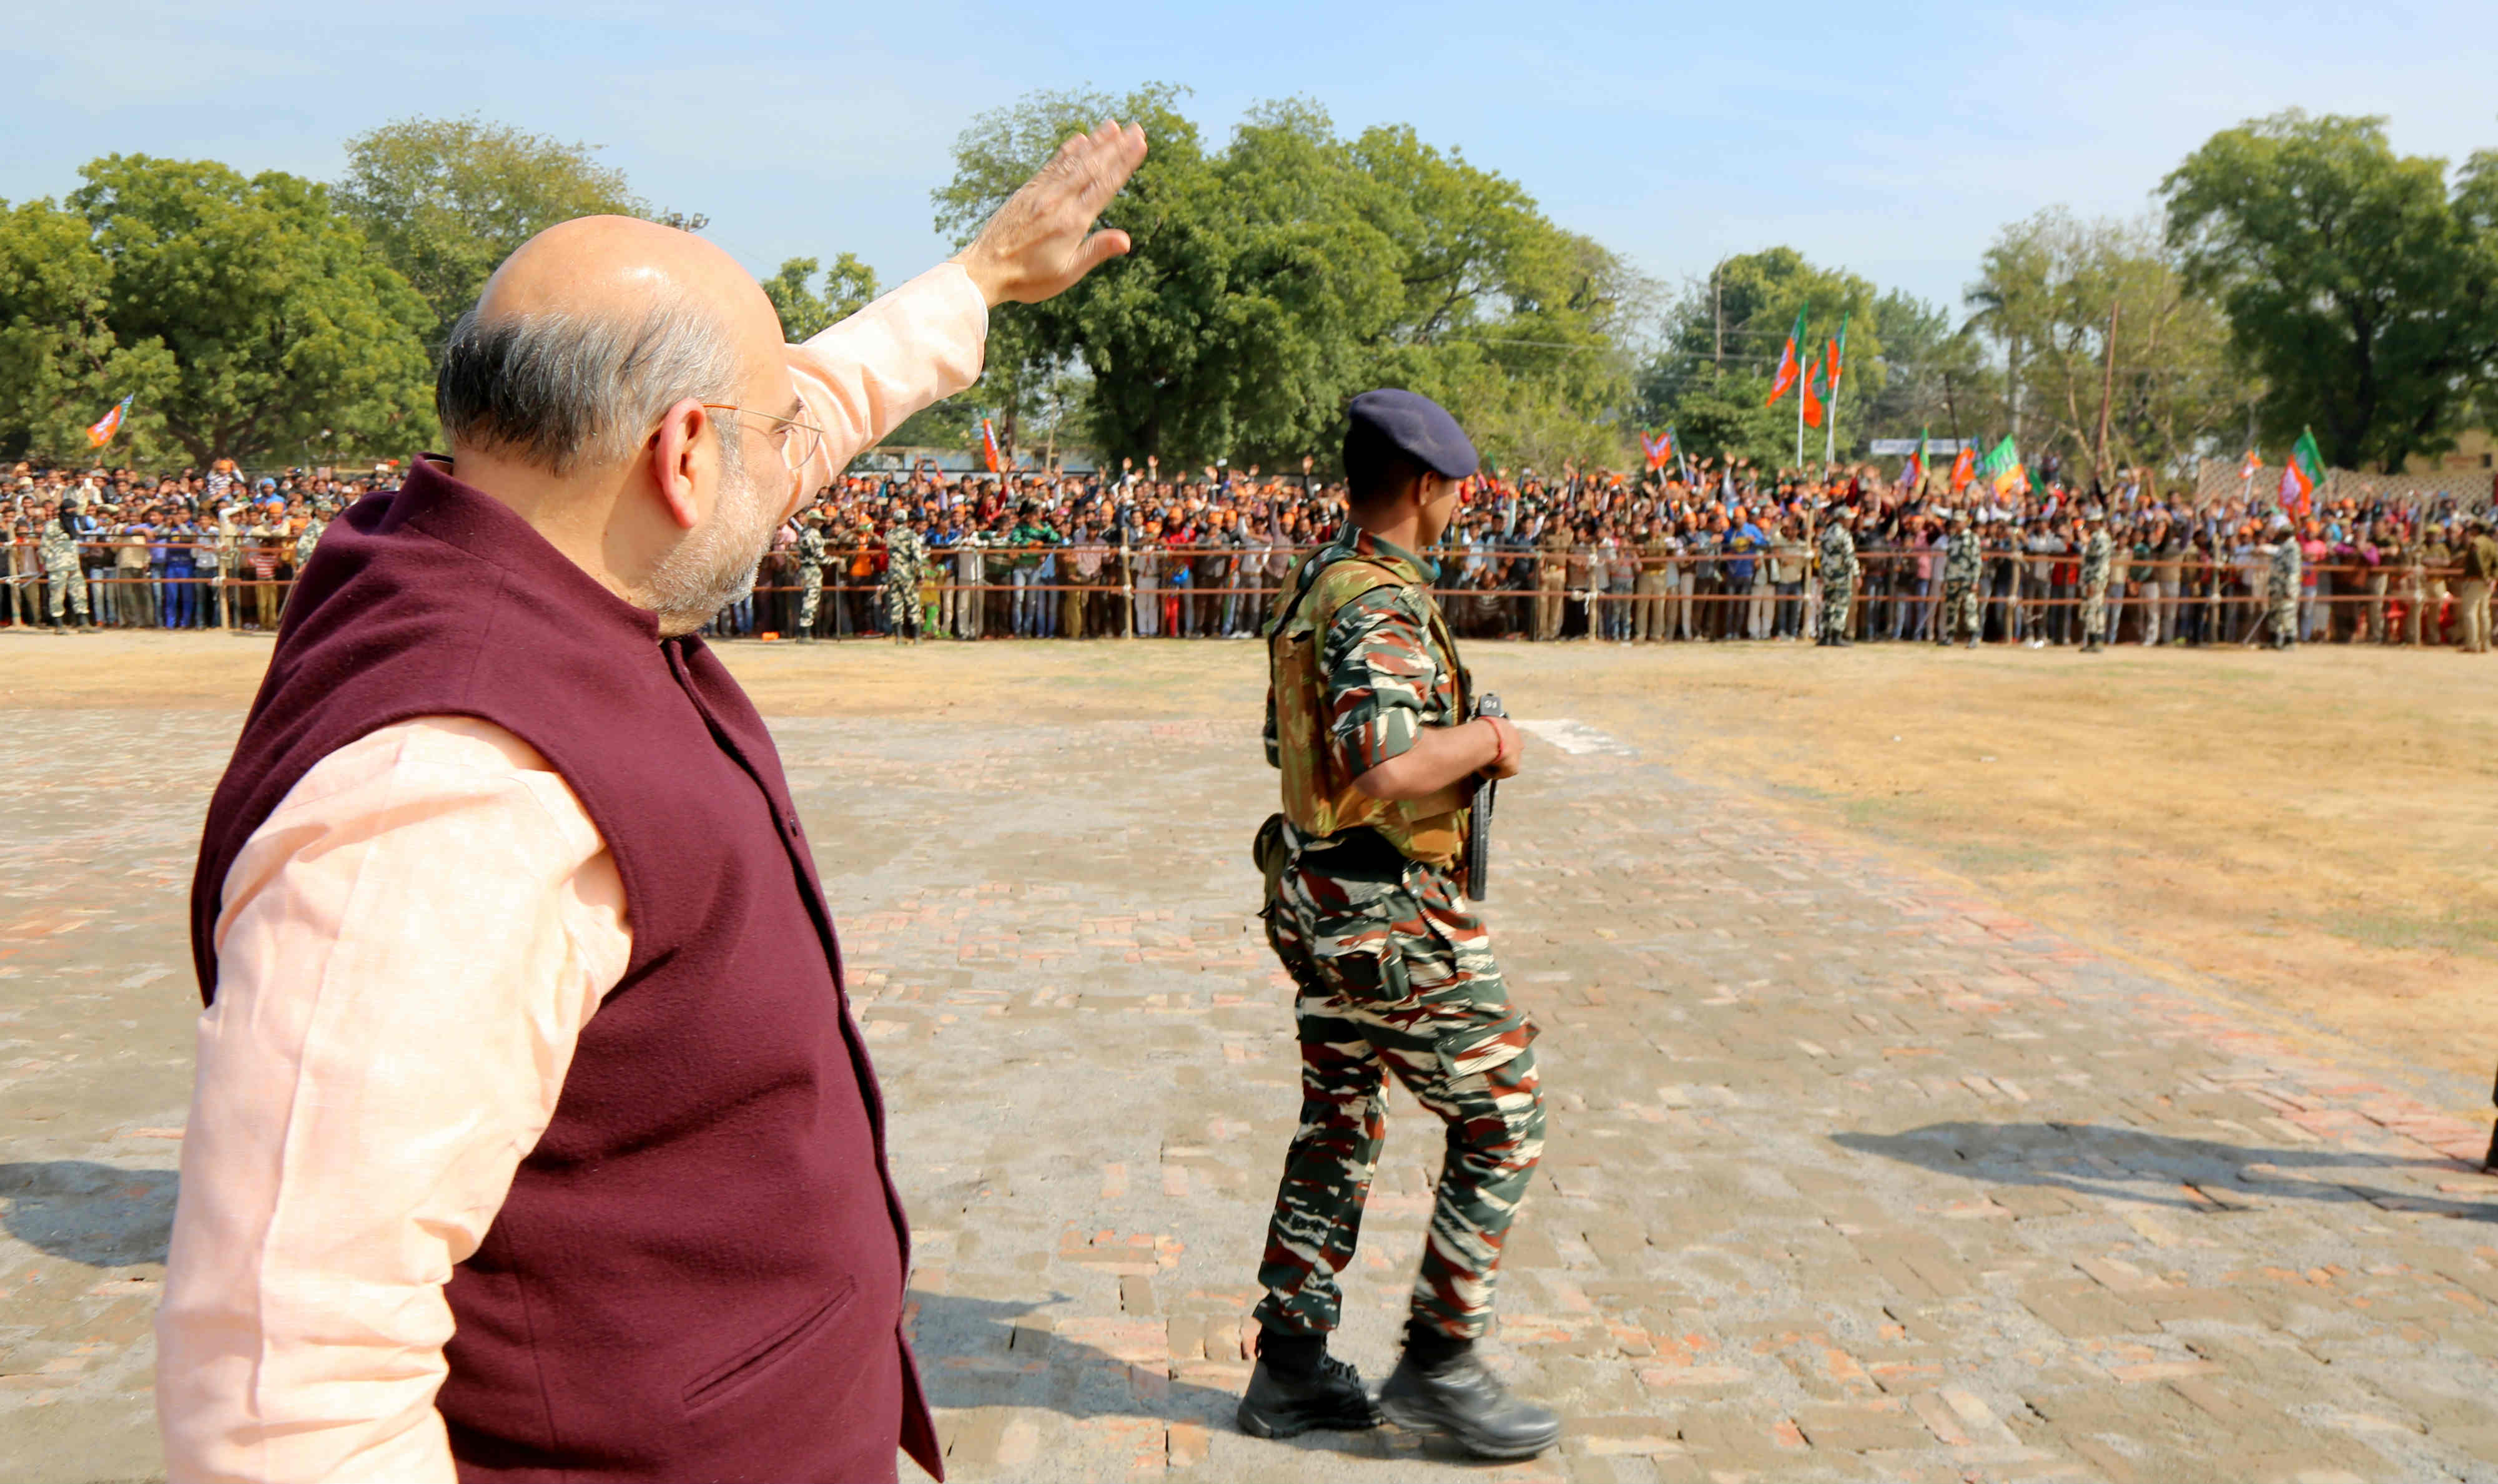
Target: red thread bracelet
1499, 742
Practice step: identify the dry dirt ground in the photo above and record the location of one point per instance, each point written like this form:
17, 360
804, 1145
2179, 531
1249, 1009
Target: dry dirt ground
2310, 835
1878, 1149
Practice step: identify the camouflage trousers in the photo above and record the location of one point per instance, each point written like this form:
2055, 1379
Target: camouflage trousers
1959, 612
811, 591
2280, 618
1395, 975
1838, 600
65, 585
902, 609
2095, 610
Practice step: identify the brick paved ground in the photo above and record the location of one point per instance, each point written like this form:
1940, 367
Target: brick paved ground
1851, 1175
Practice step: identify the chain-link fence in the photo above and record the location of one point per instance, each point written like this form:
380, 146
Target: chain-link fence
2217, 480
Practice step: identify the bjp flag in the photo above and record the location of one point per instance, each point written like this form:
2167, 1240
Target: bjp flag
99, 431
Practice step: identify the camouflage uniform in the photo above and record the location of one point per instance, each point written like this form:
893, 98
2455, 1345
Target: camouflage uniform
1838, 546
305, 541
2098, 555
1963, 562
811, 573
903, 558
2281, 590
60, 551
1393, 972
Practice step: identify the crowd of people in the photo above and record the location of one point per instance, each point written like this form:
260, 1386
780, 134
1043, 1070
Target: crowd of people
1717, 552
213, 549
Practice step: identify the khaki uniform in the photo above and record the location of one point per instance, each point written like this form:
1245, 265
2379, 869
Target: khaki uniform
1655, 577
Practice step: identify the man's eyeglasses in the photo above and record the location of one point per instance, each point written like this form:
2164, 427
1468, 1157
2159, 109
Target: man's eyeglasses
797, 441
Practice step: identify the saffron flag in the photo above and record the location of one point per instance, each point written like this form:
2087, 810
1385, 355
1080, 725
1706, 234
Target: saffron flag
1658, 447
1964, 468
1837, 349
1912, 473
2247, 466
1789, 366
989, 447
100, 432
2003, 470
2302, 471
1811, 402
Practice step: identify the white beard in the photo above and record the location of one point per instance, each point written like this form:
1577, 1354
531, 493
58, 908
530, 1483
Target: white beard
714, 566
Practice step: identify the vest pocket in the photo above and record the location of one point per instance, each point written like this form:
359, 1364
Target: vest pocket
758, 1360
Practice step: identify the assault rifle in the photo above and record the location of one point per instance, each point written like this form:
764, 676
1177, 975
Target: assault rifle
1479, 824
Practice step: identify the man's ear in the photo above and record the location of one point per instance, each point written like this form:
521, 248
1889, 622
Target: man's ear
675, 455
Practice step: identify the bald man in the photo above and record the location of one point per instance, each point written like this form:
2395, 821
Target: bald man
532, 1137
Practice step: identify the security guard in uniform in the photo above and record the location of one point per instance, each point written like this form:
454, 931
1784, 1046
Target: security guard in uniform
811, 571
1367, 719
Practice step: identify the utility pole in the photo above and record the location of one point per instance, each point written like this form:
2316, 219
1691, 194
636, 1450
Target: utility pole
2107, 396
1717, 298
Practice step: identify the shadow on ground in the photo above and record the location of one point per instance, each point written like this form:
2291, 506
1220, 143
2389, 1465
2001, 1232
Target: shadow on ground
2127, 1164
988, 1352
100, 1214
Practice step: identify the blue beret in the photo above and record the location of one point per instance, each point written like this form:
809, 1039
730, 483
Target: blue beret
1416, 427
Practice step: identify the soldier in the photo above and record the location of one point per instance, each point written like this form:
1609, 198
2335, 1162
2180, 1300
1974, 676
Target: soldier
2281, 585
1838, 547
61, 574
1367, 718
1963, 564
811, 571
2097, 553
316, 520
904, 556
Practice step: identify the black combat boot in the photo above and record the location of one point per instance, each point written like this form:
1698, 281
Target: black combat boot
1298, 1386
1441, 1385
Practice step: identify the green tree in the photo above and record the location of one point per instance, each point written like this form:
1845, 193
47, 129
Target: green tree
1724, 336
850, 285
447, 200
1719, 414
276, 327
2359, 286
2042, 297
1274, 278
1932, 374
60, 367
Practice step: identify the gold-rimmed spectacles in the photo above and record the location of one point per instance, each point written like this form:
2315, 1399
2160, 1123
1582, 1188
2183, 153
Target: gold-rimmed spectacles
797, 441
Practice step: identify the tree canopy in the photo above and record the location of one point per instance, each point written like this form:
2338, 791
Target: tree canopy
806, 311
447, 200
2042, 298
1710, 378
2358, 284
249, 318
2300, 273
1274, 278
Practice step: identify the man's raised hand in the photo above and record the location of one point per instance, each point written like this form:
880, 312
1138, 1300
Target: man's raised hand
1042, 241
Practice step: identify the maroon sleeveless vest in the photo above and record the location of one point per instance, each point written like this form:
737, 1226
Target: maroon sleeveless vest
698, 1273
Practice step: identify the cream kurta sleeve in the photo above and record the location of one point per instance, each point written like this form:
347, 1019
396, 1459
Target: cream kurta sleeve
408, 948
859, 379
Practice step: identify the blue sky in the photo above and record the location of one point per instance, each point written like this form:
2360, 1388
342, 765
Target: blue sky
1892, 140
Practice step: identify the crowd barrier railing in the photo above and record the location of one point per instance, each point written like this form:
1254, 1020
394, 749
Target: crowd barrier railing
1157, 591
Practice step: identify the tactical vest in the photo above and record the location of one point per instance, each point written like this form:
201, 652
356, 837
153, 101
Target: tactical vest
1319, 799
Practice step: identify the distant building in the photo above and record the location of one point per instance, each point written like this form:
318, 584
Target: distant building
2476, 450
